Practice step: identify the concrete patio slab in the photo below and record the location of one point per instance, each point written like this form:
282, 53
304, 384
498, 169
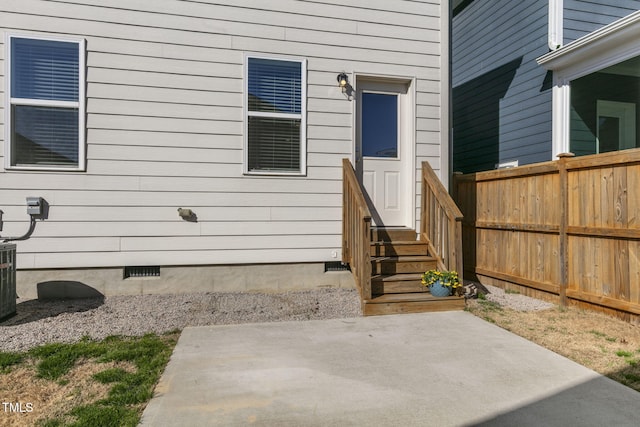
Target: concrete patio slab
428, 369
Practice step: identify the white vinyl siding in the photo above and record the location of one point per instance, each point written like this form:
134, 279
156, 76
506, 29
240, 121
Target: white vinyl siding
165, 91
45, 98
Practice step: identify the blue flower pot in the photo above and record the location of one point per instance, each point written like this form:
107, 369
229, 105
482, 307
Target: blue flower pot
437, 289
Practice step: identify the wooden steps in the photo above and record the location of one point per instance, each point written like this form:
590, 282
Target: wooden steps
401, 247
397, 284
402, 264
397, 263
420, 302
382, 234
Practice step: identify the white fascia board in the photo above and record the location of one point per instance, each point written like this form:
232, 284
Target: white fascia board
610, 44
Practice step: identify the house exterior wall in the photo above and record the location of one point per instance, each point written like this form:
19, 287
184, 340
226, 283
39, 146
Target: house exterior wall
582, 17
165, 123
501, 97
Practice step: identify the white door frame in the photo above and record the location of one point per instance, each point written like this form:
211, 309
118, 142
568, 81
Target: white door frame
625, 112
408, 122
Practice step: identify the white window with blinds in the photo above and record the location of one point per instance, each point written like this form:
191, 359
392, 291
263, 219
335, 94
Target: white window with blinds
45, 113
275, 125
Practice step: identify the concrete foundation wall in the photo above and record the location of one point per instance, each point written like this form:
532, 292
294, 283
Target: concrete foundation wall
82, 283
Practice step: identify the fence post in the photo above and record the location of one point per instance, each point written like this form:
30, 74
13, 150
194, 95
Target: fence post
455, 182
564, 223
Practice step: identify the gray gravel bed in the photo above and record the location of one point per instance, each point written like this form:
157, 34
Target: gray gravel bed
39, 322
515, 301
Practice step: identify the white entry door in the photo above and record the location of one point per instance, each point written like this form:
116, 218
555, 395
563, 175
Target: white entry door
383, 156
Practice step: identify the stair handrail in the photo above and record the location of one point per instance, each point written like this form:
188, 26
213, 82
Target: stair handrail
440, 222
356, 230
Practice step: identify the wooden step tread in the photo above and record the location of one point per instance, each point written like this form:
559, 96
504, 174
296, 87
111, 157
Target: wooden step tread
398, 248
400, 298
403, 258
384, 265
399, 242
396, 277
397, 283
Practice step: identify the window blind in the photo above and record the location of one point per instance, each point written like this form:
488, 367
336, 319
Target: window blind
45, 110
44, 69
274, 86
274, 110
44, 135
274, 144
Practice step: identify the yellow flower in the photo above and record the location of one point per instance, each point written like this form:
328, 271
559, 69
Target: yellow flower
447, 278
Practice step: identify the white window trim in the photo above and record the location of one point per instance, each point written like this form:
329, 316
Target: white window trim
81, 104
600, 49
302, 116
507, 164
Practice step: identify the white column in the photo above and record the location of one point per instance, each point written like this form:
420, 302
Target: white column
555, 24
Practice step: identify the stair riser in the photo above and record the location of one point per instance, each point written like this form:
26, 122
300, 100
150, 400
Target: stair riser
390, 267
395, 250
454, 304
388, 235
397, 287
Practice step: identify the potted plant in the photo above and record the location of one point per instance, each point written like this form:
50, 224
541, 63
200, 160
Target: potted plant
441, 283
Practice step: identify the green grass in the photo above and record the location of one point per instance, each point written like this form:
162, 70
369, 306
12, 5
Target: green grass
486, 309
603, 335
129, 389
632, 377
490, 306
114, 375
8, 359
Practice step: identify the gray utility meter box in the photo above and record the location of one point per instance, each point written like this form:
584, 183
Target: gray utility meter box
34, 205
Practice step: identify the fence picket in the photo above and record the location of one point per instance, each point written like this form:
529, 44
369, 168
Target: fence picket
569, 227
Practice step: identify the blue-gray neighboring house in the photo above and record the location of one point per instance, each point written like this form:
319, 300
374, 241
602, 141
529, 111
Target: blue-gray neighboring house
535, 78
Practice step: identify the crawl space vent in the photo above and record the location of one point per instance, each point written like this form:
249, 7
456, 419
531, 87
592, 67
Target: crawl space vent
145, 271
336, 266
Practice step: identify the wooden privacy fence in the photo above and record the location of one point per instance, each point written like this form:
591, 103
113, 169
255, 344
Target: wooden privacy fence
569, 227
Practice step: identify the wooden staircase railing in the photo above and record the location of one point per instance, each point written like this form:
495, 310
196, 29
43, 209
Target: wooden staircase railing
440, 222
356, 230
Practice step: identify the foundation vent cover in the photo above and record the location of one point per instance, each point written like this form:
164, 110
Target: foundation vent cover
141, 271
336, 266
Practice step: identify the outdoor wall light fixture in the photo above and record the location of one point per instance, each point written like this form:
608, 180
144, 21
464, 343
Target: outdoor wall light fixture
343, 83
